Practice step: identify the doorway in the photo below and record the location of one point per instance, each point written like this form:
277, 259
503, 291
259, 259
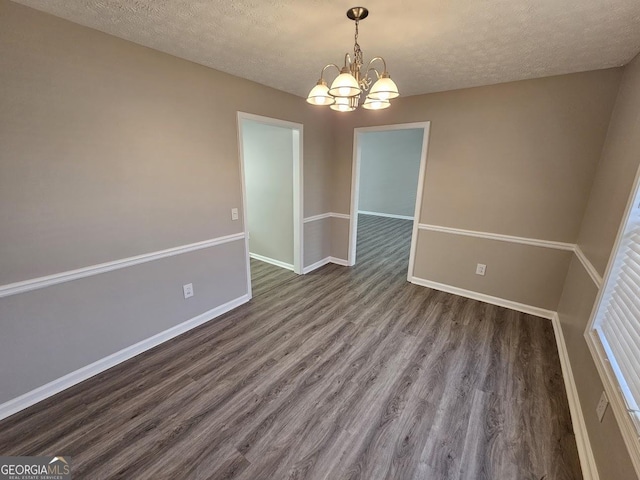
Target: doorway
388, 170
271, 170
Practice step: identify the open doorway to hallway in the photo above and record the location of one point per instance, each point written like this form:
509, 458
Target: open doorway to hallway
388, 173
271, 160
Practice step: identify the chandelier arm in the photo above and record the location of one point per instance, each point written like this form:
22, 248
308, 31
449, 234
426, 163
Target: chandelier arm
374, 70
327, 66
384, 64
347, 58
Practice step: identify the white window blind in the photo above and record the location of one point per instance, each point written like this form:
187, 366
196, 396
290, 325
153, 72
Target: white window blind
618, 318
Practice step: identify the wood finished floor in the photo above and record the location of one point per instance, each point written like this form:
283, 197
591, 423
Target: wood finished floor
339, 374
266, 277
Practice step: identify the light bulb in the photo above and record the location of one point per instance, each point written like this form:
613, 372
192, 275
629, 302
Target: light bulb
375, 104
384, 88
342, 104
319, 95
344, 85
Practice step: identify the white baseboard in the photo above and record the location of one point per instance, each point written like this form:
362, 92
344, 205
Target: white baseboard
272, 261
388, 215
322, 216
315, 266
587, 461
323, 262
84, 373
501, 302
339, 261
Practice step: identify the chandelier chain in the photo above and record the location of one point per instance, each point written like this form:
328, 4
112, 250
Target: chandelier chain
357, 51
358, 60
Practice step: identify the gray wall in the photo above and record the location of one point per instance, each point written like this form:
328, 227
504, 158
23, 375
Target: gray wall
110, 150
268, 170
516, 159
521, 273
50, 332
611, 189
320, 248
389, 165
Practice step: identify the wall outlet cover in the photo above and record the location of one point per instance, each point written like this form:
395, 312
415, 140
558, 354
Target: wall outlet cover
188, 290
481, 269
234, 214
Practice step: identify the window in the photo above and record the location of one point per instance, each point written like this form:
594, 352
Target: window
618, 322
614, 336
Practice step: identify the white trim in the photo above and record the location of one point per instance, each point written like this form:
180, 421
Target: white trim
355, 184
86, 372
355, 193
501, 302
269, 120
322, 216
500, 237
587, 460
298, 185
245, 224
298, 199
49, 280
395, 126
272, 261
386, 215
418, 207
339, 261
315, 266
315, 218
588, 266
325, 261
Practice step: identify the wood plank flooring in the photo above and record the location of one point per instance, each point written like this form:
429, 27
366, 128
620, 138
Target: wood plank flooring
344, 373
266, 277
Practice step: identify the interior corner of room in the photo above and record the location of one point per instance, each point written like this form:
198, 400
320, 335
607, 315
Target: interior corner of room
141, 194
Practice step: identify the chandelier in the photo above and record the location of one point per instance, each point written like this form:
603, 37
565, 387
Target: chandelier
353, 81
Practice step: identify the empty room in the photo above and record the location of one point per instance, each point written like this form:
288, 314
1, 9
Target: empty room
310, 240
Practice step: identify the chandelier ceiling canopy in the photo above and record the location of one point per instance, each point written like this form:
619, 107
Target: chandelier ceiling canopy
353, 82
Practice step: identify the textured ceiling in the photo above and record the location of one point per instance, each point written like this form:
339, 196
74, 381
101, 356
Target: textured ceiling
429, 45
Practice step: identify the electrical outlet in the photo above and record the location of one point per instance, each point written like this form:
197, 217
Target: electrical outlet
188, 290
234, 214
602, 406
481, 269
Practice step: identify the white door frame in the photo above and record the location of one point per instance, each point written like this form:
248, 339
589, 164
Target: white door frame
355, 186
298, 194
